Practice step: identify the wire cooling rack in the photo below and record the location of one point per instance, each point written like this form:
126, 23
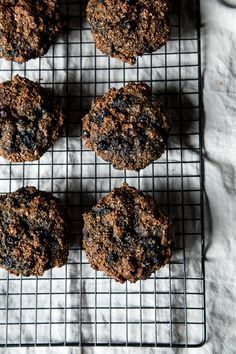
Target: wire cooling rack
75, 305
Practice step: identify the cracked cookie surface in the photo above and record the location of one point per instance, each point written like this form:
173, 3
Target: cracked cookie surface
28, 28
30, 120
126, 235
125, 29
127, 127
33, 232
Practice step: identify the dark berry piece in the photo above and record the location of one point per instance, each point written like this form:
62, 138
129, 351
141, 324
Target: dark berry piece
131, 25
101, 211
11, 241
127, 237
3, 113
103, 145
112, 257
149, 49
85, 233
23, 120
130, 2
14, 147
43, 233
11, 53
99, 116
144, 118
156, 260
85, 134
25, 225
126, 147
28, 140
25, 197
122, 102
143, 136
157, 232
9, 263
113, 49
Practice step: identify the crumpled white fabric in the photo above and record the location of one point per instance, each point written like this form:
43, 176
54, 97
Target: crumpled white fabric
218, 34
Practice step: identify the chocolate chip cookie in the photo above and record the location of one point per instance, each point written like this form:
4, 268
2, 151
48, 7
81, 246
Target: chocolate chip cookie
127, 127
30, 120
125, 29
28, 28
33, 235
126, 235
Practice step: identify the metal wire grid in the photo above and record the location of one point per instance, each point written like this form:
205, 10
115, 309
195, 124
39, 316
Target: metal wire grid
75, 305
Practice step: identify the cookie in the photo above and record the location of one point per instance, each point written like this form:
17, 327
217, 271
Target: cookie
126, 235
30, 120
33, 235
125, 29
28, 28
127, 127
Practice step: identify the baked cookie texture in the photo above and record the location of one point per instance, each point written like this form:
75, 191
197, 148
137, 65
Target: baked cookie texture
127, 127
28, 28
30, 120
33, 232
125, 29
126, 235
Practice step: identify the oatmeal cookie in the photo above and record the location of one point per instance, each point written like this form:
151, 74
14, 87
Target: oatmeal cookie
127, 127
125, 29
30, 120
33, 236
126, 235
28, 28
